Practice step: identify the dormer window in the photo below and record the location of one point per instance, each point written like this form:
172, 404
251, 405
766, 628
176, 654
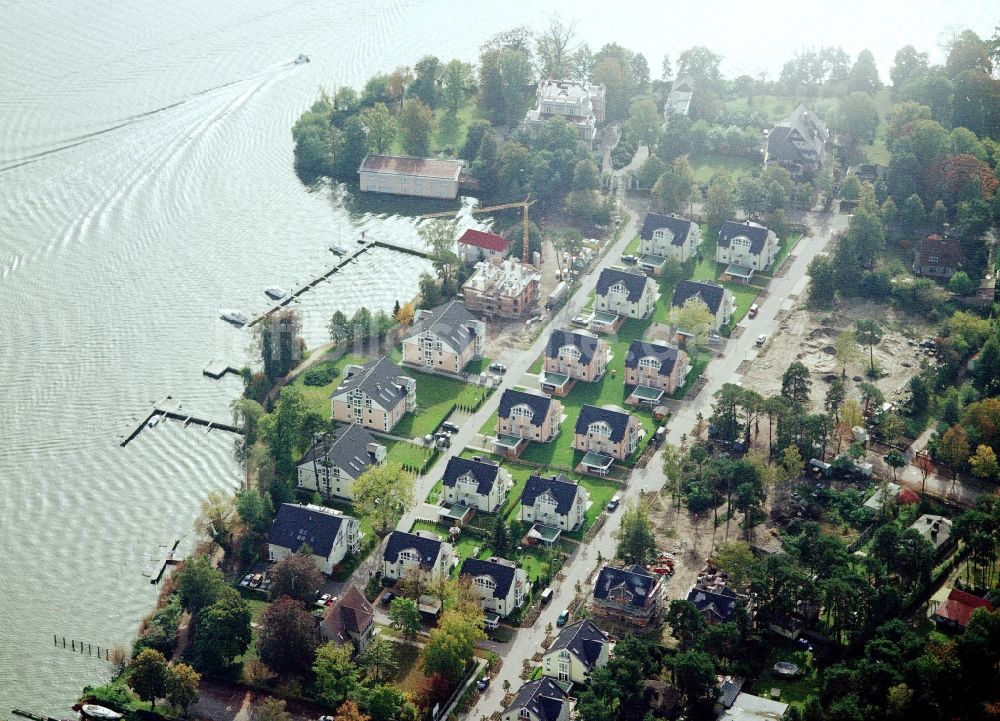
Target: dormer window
522, 411
650, 363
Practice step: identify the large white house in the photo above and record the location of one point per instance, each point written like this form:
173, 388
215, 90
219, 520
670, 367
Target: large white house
501, 586
578, 649
539, 700
580, 104
330, 534
335, 462
749, 245
445, 338
407, 554
555, 502
666, 236
717, 299
475, 484
627, 294
376, 395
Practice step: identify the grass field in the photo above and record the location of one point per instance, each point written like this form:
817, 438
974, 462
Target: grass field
317, 398
793, 691
705, 166
745, 295
450, 129
435, 397
787, 244
407, 454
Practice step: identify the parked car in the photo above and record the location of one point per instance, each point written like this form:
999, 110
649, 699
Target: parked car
761, 339
546, 596
563, 617
630, 259
754, 309
246, 580
330, 601
498, 368
387, 598
256, 580
482, 684
613, 503
321, 601
450, 427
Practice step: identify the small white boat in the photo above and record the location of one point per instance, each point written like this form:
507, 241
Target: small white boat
302, 59
153, 421
275, 292
236, 317
100, 712
337, 249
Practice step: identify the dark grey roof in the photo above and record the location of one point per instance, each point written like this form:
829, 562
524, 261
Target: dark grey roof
295, 525
720, 605
428, 548
618, 420
345, 448
380, 380
729, 690
484, 473
798, 139
538, 403
583, 639
634, 580
639, 349
559, 487
502, 574
635, 283
757, 234
451, 322
710, 293
680, 227
544, 698
586, 343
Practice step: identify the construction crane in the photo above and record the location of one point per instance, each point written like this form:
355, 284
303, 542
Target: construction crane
524, 205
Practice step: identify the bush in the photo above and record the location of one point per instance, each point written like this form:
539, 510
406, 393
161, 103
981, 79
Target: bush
320, 375
117, 698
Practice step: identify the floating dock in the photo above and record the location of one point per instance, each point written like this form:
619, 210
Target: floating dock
168, 408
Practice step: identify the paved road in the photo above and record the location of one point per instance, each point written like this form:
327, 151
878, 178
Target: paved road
721, 370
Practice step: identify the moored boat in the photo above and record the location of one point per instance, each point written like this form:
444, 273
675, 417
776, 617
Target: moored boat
236, 317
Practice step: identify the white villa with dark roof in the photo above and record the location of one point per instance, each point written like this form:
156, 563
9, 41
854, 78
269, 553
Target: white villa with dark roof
475, 484
579, 648
539, 700
446, 338
335, 462
654, 369
605, 435
746, 247
556, 503
524, 417
407, 554
330, 534
572, 355
719, 301
622, 294
797, 143
502, 586
375, 395
406, 175
666, 236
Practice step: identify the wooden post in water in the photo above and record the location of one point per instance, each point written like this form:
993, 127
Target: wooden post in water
72, 644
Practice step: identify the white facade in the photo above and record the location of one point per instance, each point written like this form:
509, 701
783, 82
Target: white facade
564, 665
404, 175
662, 244
616, 300
544, 511
740, 252
484, 586
348, 541
408, 565
466, 492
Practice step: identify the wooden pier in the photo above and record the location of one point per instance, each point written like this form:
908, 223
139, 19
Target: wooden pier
215, 369
344, 260
171, 409
32, 716
160, 566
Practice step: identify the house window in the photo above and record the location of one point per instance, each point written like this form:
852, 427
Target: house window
521, 411
650, 363
524, 713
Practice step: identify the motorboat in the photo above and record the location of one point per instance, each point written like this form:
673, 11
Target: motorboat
103, 713
153, 420
275, 292
337, 249
236, 317
302, 59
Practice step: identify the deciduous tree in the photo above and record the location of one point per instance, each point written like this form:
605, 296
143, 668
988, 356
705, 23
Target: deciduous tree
381, 127
271, 709
296, 576
223, 631
338, 678
984, 462
636, 540
953, 448
286, 637
183, 686
405, 616
416, 124
384, 493
148, 675
199, 583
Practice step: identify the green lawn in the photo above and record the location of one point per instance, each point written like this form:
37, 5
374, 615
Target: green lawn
536, 367
450, 129
786, 247
698, 366
405, 453
610, 390
793, 691
706, 166
434, 495
317, 398
435, 397
490, 427
465, 545
745, 296
633, 247
477, 366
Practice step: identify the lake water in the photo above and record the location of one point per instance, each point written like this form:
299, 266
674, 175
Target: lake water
146, 182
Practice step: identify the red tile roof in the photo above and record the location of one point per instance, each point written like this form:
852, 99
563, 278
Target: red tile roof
960, 606
489, 241
947, 250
